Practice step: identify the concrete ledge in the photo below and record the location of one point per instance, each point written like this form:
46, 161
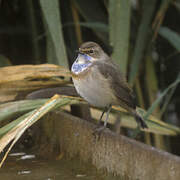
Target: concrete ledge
114, 153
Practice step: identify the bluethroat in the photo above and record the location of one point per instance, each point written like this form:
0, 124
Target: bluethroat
98, 80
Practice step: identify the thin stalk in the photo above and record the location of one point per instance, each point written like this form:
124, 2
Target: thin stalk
142, 37
119, 19
77, 25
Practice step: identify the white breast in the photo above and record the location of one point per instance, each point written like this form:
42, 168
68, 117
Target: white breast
94, 88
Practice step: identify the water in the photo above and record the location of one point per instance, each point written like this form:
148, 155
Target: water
28, 167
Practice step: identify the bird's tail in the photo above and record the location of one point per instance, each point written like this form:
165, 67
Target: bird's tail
139, 120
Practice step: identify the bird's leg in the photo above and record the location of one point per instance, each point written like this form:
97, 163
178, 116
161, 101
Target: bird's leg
105, 110
107, 115
100, 129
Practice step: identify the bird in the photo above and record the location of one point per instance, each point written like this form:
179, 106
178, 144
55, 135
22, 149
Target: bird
99, 81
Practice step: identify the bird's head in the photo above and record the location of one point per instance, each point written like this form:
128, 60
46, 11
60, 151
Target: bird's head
88, 53
92, 51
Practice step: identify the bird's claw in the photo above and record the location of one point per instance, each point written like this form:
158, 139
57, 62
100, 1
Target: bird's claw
97, 132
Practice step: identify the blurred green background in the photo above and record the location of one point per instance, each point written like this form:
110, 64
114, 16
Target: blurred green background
142, 36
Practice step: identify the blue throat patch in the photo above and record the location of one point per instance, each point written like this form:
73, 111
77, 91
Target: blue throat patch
77, 67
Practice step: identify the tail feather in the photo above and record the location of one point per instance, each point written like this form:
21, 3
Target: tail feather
140, 121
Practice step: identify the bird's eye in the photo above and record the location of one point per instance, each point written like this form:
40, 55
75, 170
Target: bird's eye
91, 51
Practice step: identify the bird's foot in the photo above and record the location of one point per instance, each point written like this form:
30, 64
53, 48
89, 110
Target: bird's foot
97, 131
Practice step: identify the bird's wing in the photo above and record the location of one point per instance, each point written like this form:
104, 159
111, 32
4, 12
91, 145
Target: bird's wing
118, 83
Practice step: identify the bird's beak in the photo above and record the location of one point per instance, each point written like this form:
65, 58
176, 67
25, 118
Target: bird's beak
79, 51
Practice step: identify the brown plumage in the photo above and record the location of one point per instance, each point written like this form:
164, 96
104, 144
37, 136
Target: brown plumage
101, 83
